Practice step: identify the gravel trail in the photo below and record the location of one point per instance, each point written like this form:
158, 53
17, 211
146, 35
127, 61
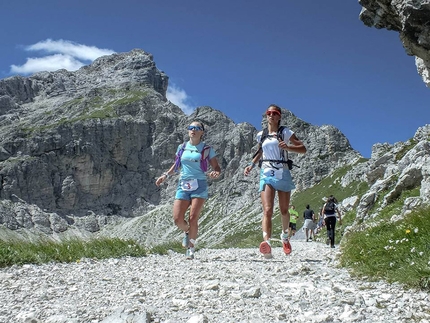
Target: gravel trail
229, 285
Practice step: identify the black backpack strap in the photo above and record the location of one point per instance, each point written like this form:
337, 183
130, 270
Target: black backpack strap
278, 161
256, 153
280, 134
263, 137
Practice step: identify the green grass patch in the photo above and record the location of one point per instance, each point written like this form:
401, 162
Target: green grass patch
410, 144
396, 206
21, 252
396, 252
84, 108
163, 248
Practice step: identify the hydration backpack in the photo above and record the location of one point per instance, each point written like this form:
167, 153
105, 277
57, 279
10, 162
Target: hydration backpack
282, 159
204, 157
265, 134
329, 207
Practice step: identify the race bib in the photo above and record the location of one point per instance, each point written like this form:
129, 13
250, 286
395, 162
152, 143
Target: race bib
189, 185
273, 172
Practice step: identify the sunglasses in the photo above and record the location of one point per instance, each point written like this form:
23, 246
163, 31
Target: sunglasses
273, 112
195, 128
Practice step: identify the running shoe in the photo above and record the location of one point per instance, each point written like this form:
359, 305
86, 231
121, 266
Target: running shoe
286, 245
284, 236
186, 240
189, 254
266, 249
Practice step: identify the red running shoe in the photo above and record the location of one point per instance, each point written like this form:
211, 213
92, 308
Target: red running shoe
286, 245
266, 249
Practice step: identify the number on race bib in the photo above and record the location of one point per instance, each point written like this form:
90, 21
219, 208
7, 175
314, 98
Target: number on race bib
189, 185
273, 172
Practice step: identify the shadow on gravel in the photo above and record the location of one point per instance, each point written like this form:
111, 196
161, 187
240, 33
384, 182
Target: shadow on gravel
310, 260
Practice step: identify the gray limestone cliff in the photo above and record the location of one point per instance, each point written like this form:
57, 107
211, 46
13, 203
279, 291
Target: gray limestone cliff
411, 18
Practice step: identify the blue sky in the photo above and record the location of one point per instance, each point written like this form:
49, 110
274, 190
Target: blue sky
315, 58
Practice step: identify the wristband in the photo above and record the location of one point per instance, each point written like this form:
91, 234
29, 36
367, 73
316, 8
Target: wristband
252, 165
167, 175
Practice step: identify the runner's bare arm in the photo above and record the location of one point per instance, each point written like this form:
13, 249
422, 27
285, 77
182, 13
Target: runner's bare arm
253, 162
164, 176
216, 169
294, 145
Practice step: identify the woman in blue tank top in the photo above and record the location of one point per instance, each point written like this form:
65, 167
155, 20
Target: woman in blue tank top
192, 190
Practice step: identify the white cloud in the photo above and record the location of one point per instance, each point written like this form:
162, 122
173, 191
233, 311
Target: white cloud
47, 63
67, 47
66, 54
180, 98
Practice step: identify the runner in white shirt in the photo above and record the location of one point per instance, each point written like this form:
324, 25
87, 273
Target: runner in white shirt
275, 175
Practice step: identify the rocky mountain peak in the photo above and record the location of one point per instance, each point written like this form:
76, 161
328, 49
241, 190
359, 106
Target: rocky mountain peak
136, 67
118, 71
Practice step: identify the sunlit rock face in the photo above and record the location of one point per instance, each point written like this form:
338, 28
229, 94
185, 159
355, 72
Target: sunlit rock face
411, 18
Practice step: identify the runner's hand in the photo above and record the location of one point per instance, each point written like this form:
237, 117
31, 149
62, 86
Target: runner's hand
160, 180
214, 174
282, 144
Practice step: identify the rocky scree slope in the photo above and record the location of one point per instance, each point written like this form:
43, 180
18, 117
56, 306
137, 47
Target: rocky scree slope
392, 170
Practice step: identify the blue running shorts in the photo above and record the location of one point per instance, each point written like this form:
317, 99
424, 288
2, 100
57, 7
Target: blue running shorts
284, 184
200, 192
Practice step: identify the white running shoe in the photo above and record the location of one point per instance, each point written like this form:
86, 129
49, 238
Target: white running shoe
189, 254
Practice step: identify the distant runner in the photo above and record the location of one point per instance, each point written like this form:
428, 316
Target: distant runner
294, 215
